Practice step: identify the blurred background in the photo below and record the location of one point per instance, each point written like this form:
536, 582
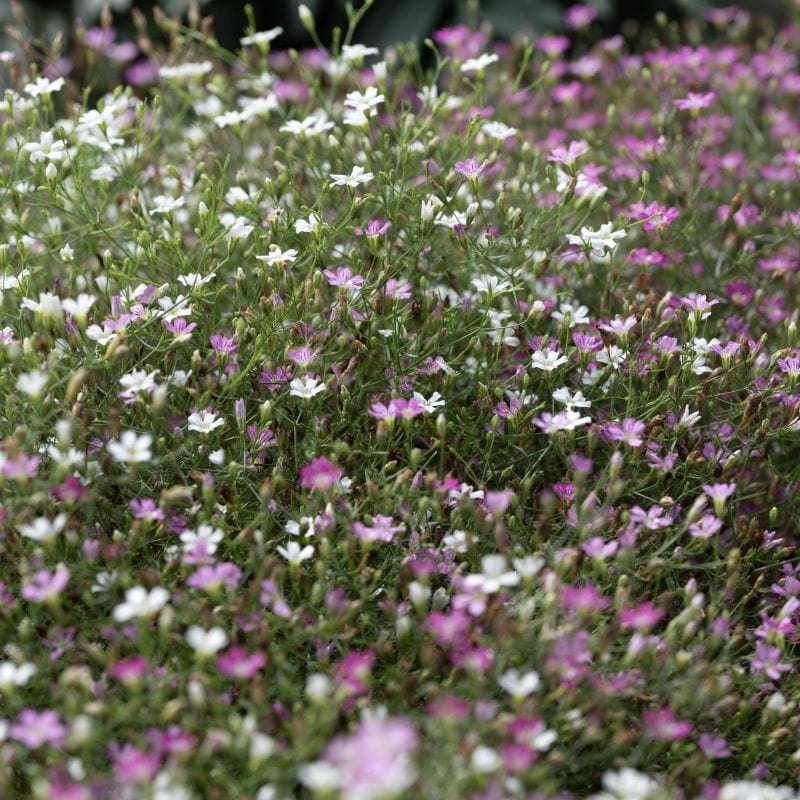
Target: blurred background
387, 22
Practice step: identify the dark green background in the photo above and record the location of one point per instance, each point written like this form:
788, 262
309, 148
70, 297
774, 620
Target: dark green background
387, 22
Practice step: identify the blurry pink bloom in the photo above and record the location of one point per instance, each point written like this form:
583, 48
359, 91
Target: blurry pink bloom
694, 101
662, 724
320, 474
37, 728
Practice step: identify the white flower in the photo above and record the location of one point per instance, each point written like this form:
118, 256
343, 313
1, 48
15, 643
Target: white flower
356, 177
689, 418
294, 527
612, 355
484, 759
754, 790
14, 675
261, 37
104, 581
319, 776
192, 280
547, 360
432, 403
206, 642
237, 227
366, 101
628, 784
313, 125
310, 225
131, 448
141, 603
187, 70
356, 53
136, 382
32, 383
577, 315
520, 686
48, 306
205, 533
48, 148
295, 554
498, 131
479, 64
306, 387
79, 307
278, 257
172, 309
43, 86
166, 205
493, 577
43, 529
598, 241
490, 284
456, 541
204, 422
571, 401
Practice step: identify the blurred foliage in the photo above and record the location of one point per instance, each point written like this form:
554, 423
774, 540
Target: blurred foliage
389, 21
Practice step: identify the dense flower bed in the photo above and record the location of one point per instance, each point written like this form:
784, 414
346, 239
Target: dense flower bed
372, 432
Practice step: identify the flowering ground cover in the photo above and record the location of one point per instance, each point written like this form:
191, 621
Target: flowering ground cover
388, 431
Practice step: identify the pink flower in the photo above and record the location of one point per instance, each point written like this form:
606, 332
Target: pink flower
46, 586
375, 761
641, 618
37, 728
133, 765
343, 277
238, 664
629, 432
375, 227
569, 155
663, 725
470, 168
130, 670
695, 102
354, 671
580, 16
214, 577
320, 474
381, 530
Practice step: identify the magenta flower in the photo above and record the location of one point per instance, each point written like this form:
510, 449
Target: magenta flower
180, 327
223, 345
320, 474
583, 598
354, 671
641, 618
37, 728
375, 227
130, 670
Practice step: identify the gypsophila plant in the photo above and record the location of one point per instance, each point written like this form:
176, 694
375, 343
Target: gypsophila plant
375, 432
